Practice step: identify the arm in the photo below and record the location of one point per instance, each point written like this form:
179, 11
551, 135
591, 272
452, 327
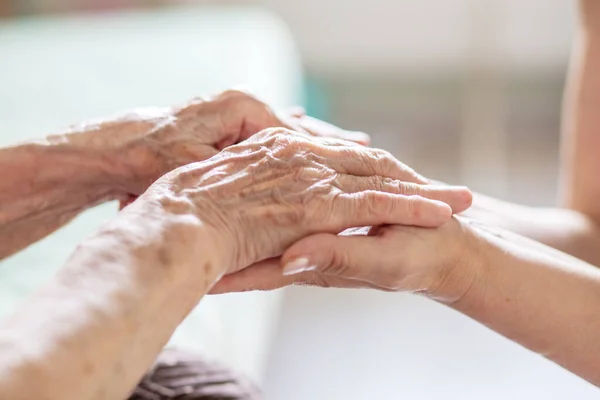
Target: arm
95, 329
537, 296
574, 229
568, 230
47, 183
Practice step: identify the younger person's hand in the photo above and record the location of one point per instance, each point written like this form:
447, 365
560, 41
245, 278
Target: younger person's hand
430, 261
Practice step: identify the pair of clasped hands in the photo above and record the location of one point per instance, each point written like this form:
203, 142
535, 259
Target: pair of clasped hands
290, 200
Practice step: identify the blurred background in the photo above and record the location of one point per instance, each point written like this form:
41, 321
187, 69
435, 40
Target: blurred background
465, 91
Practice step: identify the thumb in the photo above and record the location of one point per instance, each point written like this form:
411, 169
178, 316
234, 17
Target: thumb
343, 256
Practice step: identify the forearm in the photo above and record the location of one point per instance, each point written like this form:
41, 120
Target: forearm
48, 182
45, 186
567, 230
541, 298
95, 329
581, 122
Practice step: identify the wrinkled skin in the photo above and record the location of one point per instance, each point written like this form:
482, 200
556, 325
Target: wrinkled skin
46, 183
263, 194
201, 128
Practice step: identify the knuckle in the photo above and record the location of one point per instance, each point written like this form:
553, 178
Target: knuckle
272, 135
382, 156
290, 144
403, 188
236, 94
410, 189
240, 100
377, 204
385, 162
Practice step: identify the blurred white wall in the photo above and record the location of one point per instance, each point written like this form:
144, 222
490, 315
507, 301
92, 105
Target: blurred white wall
392, 36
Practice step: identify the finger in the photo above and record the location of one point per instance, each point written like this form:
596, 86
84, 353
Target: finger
235, 115
264, 275
349, 257
360, 160
373, 207
364, 161
268, 275
246, 115
341, 155
459, 198
244, 112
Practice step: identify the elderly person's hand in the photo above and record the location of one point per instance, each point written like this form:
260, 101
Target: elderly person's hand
48, 182
260, 196
147, 143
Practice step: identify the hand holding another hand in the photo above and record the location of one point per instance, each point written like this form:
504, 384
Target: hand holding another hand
430, 261
140, 146
262, 195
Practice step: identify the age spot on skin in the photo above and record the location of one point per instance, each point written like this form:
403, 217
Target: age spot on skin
164, 257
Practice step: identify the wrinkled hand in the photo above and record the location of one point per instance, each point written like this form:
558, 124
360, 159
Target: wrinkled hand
260, 196
148, 143
429, 261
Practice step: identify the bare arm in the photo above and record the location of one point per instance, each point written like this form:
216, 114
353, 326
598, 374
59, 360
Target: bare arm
574, 229
571, 231
537, 296
93, 331
97, 327
47, 183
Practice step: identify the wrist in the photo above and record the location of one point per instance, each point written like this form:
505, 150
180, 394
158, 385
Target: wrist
202, 203
129, 161
463, 269
173, 240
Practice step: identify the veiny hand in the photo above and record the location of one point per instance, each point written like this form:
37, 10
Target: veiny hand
260, 196
148, 143
201, 128
430, 261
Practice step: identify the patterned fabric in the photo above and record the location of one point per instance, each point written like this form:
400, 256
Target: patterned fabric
177, 375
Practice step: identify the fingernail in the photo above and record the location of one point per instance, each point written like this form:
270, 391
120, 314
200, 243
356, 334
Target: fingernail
298, 265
